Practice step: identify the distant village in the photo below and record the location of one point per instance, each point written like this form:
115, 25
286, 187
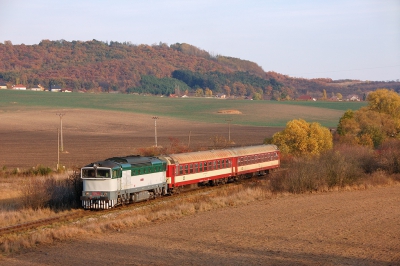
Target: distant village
52, 88
57, 88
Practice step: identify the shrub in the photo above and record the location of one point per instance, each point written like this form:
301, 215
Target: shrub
343, 166
55, 193
389, 156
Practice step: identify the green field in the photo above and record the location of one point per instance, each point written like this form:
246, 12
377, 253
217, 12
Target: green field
253, 113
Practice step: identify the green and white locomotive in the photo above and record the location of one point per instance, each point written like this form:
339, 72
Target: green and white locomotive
121, 180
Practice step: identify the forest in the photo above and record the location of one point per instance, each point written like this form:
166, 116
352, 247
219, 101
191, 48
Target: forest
158, 69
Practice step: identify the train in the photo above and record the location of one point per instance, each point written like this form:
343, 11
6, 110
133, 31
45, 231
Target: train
134, 178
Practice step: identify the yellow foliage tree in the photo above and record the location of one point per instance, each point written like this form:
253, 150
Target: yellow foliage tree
385, 101
199, 92
303, 138
372, 125
208, 92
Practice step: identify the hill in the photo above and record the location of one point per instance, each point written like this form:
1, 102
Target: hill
156, 69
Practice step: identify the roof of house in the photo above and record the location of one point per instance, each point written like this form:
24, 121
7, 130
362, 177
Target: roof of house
304, 97
55, 87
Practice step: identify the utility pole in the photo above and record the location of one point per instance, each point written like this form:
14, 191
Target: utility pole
62, 143
229, 129
58, 148
190, 133
155, 128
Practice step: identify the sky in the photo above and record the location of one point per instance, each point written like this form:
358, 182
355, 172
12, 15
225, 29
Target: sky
338, 39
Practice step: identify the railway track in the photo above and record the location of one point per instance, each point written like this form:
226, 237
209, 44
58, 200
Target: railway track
80, 214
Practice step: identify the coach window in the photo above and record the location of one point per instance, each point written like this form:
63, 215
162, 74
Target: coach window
196, 168
223, 164
201, 167
227, 163
186, 169
210, 166
191, 168
181, 169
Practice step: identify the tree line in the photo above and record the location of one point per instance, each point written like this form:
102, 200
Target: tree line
156, 69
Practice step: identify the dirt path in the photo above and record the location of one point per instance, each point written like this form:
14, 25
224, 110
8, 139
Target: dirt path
337, 228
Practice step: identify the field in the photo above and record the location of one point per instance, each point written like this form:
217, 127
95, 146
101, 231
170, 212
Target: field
355, 227
98, 126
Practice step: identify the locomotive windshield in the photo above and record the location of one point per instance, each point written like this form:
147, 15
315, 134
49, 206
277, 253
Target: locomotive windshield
96, 172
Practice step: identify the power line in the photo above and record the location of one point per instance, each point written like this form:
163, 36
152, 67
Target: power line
354, 69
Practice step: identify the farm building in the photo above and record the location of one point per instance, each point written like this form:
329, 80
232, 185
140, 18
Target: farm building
19, 87
305, 98
353, 98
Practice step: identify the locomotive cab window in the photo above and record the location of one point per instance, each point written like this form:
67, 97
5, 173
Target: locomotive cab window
116, 173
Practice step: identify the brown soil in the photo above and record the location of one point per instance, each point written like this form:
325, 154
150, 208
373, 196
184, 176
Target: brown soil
29, 137
336, 228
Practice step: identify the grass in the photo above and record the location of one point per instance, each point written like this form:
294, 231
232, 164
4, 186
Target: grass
254, 113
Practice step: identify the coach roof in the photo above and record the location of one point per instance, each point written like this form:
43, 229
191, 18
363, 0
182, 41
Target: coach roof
199, 156
243, 151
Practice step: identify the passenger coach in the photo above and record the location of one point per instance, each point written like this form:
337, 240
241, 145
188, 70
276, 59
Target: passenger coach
219, 166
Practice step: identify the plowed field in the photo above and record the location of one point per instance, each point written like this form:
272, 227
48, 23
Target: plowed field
337, 228
29, 137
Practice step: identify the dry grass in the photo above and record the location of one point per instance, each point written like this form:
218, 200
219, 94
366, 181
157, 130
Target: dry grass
229, 196
170, 209
25, 199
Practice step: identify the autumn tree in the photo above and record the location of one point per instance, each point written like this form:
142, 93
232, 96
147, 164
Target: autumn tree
257, 96
385, 101
372, 125
199, 92
208, 92
227, 90
324, 97
303, 138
